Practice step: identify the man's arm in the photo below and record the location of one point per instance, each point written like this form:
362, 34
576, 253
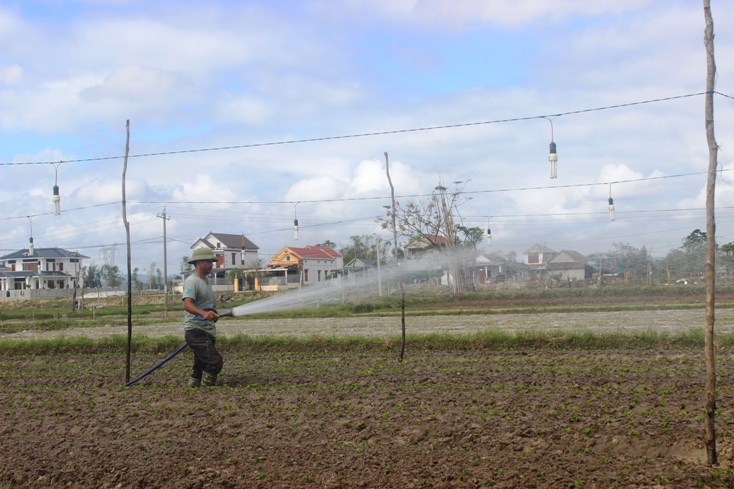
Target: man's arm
190, 307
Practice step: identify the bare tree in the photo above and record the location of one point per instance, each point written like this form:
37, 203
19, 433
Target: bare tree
434, 222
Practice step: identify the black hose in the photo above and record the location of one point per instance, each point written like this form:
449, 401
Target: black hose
180, 349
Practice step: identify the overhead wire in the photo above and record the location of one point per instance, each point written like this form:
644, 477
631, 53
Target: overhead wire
366, 134
357, 199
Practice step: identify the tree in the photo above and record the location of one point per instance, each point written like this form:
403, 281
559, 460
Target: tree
636, 261
695, 241
361, 247
470, 237
727, 257
428, 220
155, 277
185, 265
110, 275
328, 243
690, 259
92, 277
136, 280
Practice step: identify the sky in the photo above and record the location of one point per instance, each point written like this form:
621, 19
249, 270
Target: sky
221, 95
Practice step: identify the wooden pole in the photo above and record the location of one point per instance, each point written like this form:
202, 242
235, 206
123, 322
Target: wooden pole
129, 266
397, 264
710, 435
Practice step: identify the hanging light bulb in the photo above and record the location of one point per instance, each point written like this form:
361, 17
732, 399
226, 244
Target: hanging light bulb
611, 203
56, 196
30, 241
295, 220
553, 159
553, 156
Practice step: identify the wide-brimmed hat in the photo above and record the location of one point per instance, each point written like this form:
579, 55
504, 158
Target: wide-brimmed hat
202, 254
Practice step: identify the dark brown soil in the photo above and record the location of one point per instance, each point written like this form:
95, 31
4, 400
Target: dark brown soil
558, 419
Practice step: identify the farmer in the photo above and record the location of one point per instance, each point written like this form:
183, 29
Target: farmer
200, 317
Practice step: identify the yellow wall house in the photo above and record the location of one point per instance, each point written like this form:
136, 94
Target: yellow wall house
305, 266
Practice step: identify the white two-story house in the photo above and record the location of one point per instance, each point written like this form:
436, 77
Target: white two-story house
233, 251
39, 269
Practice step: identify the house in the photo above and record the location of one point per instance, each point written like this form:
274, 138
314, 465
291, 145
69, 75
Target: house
538, 256
292, 267
360, 267
424, 245
233, 251
487, 270
571, 265
41, 269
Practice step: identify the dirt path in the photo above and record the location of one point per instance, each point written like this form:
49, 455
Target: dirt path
664, 321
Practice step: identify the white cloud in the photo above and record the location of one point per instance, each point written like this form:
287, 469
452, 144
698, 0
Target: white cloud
204, 187
456, 14
135, 84
11, 75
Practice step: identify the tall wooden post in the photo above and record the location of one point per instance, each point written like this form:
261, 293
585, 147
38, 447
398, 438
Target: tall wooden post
129, 261
710, 238
397, 264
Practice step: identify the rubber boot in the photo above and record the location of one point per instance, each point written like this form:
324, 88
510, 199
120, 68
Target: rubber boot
208, 380
194, 381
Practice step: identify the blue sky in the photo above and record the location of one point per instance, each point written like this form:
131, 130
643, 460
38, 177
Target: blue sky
193, 75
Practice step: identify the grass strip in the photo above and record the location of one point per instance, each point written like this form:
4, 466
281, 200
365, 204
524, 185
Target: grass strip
489, 340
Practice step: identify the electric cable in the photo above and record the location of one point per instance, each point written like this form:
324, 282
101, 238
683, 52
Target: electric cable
366, 134
357, 199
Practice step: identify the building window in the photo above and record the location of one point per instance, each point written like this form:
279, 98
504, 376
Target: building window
234, 257
319, 275
305, 275
29, 266
534, 258
61, 268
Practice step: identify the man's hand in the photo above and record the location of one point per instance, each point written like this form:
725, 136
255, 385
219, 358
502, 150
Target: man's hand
210, 316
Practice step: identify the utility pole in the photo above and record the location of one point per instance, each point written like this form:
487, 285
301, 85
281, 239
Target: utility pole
165, 264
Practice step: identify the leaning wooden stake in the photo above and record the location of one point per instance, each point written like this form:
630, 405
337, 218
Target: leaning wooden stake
711, 238
395, 249
129, 267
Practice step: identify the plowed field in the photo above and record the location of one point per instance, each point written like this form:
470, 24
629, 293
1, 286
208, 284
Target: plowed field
279, 418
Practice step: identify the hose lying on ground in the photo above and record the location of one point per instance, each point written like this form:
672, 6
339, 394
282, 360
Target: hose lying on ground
180, 349
228, 312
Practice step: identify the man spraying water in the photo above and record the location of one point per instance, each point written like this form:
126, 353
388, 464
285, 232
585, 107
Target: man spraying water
200, 319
